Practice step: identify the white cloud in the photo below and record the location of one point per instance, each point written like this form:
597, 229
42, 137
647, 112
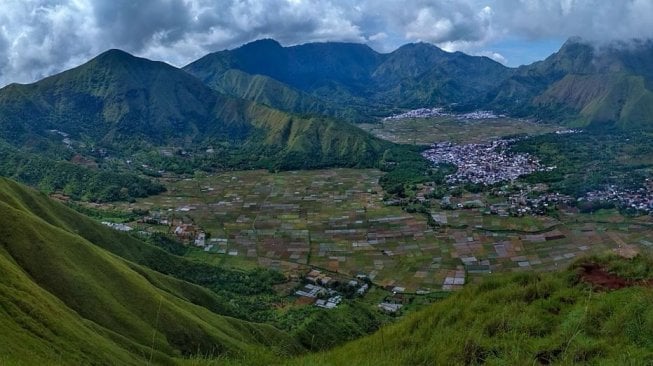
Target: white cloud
493, 55
40, 37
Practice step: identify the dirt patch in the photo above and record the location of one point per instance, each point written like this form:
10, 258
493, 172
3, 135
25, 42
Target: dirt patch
595, 275
302, 300
626, 251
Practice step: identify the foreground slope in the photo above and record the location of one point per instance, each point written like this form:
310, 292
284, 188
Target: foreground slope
523, 319
65, 300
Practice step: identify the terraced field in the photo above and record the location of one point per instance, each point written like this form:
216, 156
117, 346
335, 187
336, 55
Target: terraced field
425, 131
336, 220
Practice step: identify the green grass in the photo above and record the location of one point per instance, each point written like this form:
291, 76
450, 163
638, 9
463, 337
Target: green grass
66, 300
518, 319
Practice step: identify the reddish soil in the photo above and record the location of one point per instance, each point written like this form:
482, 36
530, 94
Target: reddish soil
304, 301
601, 279
593, 273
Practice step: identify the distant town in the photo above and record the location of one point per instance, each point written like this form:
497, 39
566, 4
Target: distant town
439, 112
486, 164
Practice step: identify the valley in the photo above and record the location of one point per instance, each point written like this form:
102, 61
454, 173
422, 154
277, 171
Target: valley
429, 130
291, 210
336, 221
341, 222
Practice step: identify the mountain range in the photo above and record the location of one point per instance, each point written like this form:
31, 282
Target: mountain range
347, 80
263, 105
581, 84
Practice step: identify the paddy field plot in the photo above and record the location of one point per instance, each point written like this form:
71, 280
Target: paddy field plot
336, 220
426, 131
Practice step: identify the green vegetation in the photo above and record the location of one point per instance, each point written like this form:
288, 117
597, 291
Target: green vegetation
405, 167
345, 80
75, 181
319, 330
591, 160
519, 319
66, 300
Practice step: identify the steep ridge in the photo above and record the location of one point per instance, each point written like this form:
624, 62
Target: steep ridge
131, 105
585, 85
356, 82
66, 300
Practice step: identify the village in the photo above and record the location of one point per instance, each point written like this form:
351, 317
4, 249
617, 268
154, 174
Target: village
639, 200
484, 163
439, 112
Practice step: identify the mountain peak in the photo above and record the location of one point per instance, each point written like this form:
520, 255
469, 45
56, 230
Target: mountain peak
420, 46
114, 54
264, 43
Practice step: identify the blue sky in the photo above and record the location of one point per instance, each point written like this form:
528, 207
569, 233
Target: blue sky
42, 37
520, 51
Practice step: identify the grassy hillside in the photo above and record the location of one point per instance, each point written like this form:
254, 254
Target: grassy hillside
315, 142
117, 109
584, 85
616, 99
523, 319
74, 292
66, 300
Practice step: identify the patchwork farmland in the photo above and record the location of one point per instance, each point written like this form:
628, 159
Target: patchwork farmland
336, 220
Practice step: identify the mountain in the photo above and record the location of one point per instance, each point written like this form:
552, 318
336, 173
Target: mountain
418, 75
347, 80
115, 96
126, 105
585, 85
582, 84
72, 293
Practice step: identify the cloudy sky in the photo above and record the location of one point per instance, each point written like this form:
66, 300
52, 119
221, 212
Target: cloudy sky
42, 37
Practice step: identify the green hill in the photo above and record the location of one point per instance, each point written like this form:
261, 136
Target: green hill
66, 300
117, 108
584, 85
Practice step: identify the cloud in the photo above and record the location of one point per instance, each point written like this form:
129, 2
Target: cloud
41, 37
496, 56
594, 20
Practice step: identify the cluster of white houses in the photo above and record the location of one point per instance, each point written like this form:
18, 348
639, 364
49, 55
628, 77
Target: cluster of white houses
485, 164
637, 199
439, 112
